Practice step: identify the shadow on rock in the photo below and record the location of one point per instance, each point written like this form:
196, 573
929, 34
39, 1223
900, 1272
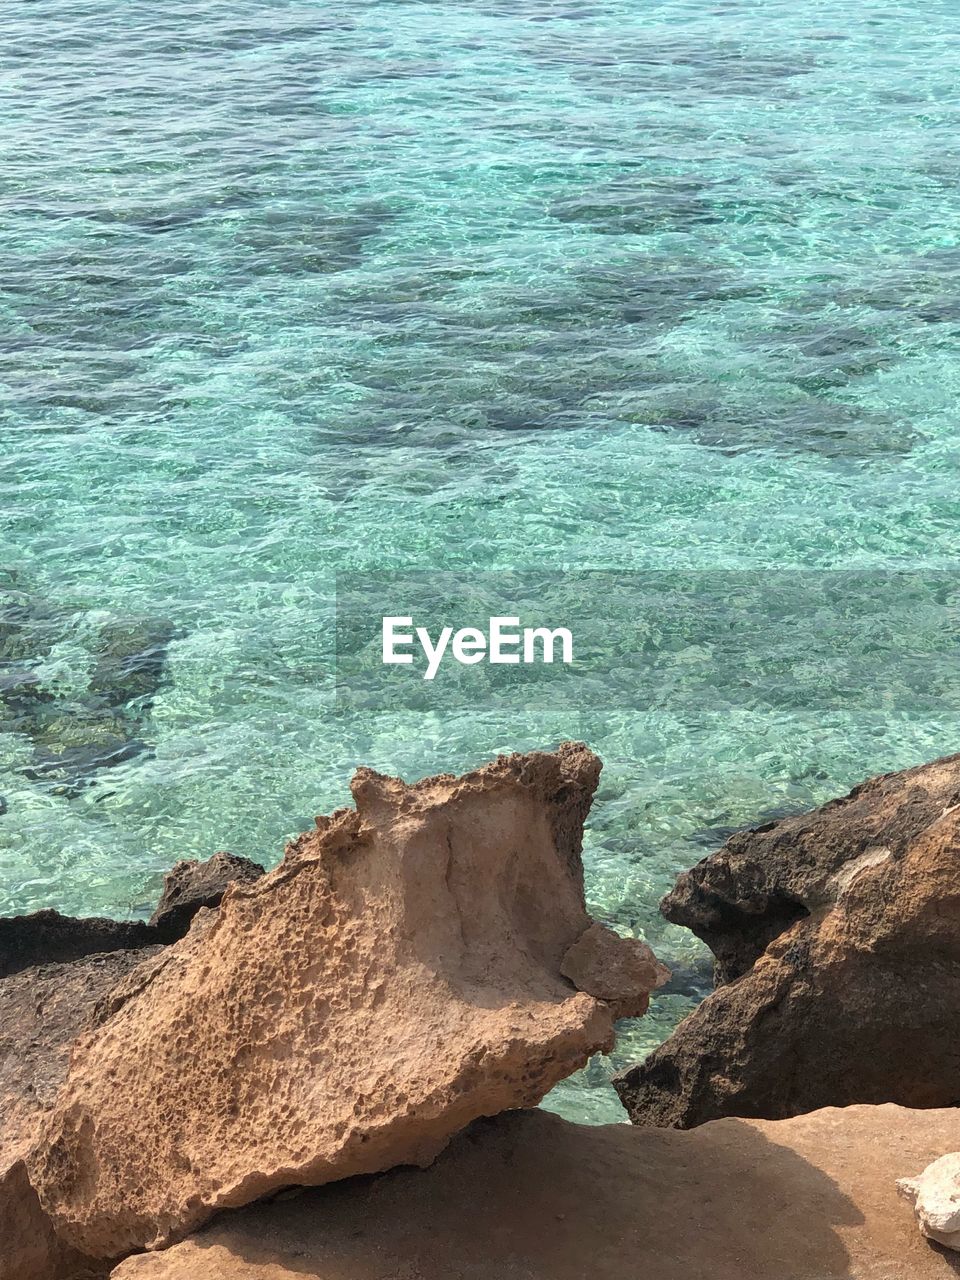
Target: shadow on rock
528, 1196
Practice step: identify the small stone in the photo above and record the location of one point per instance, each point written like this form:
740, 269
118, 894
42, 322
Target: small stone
935, 1196
621, 971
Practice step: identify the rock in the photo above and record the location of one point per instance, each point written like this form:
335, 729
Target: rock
614, 969
75, 739
132, 661
21, 697
192, 885
31, 1249
42, 1010
859, 1002
60, 976
47, 937
935, 1196
75, 743
29, 626
761, 882
397, 976
528, 1196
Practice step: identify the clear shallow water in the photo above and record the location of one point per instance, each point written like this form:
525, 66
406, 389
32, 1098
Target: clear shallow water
288, 289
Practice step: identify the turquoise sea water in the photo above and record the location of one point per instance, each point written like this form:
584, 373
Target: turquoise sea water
288, 289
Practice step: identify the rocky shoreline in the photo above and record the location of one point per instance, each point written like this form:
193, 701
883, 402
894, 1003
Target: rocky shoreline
837, 937
327, 1069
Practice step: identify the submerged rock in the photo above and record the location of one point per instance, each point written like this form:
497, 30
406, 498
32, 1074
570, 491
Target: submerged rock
67, 773
528, 1196
21, 694
397, 976
132, 661
935, 1196
75, 738
855, 1001
29, 626
73, 745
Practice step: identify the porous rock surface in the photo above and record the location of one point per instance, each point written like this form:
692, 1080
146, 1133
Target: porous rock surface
59, 976
935, 1196
42, 1010
857, 1002
762, 881
529, 1196
397, 976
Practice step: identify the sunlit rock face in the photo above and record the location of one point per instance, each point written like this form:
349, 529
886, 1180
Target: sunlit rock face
61, 976
935, 1196
400, 974
855, 997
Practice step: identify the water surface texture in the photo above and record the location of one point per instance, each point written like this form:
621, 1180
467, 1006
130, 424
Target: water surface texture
288, 289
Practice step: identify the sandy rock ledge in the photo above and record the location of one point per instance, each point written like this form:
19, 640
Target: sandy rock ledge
530, 1197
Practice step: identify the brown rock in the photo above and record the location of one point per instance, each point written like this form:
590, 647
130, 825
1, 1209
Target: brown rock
858, 1003
614, 969
741, 898
192, 885
47, 937
530, 1197
395, 977
60, 976
42, 1010
30, 1249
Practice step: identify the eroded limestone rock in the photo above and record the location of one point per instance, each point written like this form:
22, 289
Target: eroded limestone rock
30, 1249
60, 976
761, 882
42, 1010
192, 885
397, 976
857, 1002
935, 1196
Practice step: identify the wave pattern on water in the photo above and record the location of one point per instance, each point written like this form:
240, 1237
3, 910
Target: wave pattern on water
291, 288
